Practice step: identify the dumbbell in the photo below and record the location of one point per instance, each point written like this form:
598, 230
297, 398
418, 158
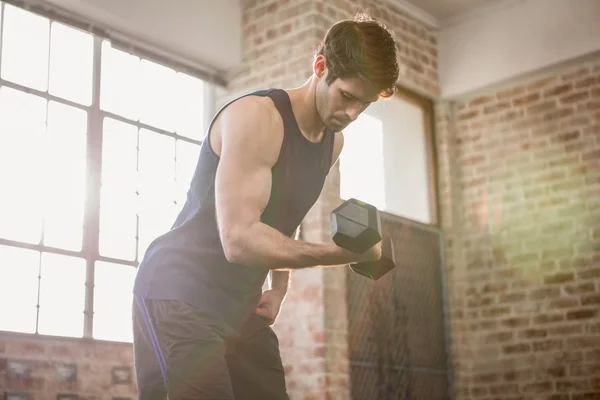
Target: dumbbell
356, 226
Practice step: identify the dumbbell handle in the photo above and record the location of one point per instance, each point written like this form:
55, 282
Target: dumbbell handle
376, 269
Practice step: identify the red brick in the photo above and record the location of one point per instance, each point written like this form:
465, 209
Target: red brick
512, 297
591, 155
557, 114
581, 314
574, 97
533, 333
525, 100
586, 396
576, 74
498, 337
584, 369
548, 318
538, 387
586, 82
558, 397
547, 345
571, 385
486, 378
583, 342
518, 375
519, 348
479, 391
544, 293
565, 330
28, 348
515, 322
559, 278
481, 100
541, 83
563, 302
557, 371
558, 90
590, 300
491, 109
566, 137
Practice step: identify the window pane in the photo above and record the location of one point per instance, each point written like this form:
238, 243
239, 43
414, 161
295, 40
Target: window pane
156, 164
62, 295
25, 45
189, 101
359, 179
158, 95
119, 154
113, 286
71, 63
19, 270
118, 219
118, 223
22, 130
119, 86
65, 176
185, 166
157, 187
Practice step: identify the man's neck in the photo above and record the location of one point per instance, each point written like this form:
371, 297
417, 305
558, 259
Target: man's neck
305, 110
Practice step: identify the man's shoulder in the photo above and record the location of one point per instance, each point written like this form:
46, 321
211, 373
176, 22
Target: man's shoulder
254, 110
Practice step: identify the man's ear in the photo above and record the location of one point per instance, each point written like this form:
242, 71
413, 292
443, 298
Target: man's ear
320, 66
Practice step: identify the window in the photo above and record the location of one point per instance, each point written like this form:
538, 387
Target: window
66, 268
387, 158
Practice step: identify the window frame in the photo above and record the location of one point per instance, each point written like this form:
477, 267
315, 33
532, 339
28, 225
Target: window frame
95, 116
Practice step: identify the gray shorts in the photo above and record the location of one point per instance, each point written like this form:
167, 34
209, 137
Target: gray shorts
180, 351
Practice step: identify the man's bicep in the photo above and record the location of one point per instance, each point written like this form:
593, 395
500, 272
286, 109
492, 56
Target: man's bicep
242, 190
243, 178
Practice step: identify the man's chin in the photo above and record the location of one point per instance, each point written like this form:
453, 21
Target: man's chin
335, 127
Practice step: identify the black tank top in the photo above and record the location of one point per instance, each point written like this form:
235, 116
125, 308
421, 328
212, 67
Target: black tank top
187, 263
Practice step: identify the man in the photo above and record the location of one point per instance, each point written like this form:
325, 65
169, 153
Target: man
201, 324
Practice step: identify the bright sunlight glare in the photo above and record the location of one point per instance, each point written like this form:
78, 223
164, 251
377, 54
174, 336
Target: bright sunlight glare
44, 178
363, 181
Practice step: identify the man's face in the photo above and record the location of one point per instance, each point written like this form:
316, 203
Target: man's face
343, 101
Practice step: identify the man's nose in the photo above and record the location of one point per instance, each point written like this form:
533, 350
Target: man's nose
353, 112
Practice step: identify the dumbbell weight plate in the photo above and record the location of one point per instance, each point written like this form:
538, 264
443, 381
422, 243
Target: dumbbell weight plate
355, 225
376, 269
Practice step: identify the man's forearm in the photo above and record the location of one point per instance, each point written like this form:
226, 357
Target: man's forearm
262, 246
280, 281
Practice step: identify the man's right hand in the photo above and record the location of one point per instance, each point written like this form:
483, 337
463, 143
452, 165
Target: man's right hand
372, 254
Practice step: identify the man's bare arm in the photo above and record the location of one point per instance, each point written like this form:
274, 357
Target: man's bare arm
251, 138
281, 280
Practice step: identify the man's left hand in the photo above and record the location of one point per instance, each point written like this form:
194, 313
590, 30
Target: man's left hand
269, 305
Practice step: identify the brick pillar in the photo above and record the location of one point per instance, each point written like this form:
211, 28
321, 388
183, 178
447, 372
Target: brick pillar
279, 39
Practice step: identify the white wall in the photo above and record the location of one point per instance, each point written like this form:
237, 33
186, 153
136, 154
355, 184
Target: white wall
520, 37
397, 182
205, 32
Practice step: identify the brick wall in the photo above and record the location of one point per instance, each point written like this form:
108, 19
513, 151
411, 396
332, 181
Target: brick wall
94, 362
279, 38
520, 192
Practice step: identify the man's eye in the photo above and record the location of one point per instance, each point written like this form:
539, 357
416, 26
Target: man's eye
346, 95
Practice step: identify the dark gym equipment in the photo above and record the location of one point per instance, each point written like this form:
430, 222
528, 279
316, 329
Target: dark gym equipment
356, 226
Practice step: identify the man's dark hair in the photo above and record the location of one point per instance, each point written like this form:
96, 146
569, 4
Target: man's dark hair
361, 47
